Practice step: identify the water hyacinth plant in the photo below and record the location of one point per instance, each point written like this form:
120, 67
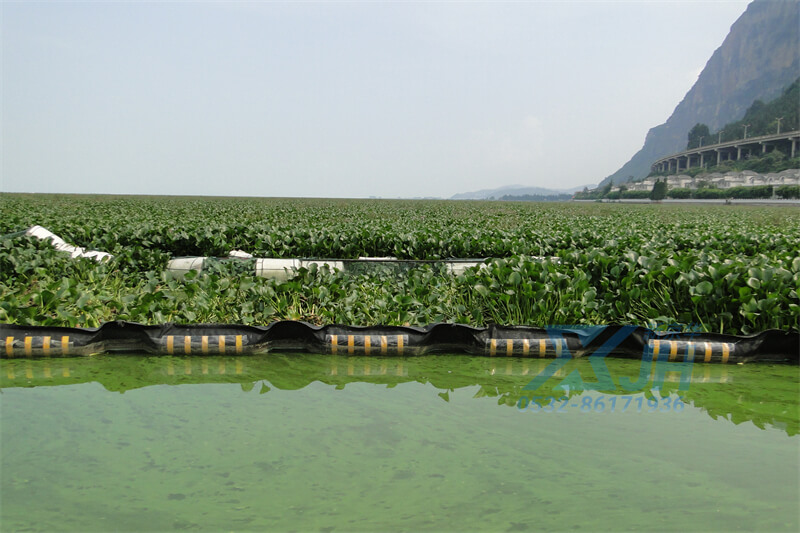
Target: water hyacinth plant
731, 269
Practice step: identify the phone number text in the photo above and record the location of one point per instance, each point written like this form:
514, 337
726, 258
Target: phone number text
600, 404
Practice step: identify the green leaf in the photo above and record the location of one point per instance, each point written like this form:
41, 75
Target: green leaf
482, 290
704, 288
754, 283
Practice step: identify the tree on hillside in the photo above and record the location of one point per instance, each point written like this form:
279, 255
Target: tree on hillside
697, 135
762, 118
659, 191
755, 109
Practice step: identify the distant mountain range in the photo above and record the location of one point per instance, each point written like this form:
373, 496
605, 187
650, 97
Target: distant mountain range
759, 58
514, 190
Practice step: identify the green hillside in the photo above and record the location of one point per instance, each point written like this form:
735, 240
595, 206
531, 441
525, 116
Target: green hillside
763, 119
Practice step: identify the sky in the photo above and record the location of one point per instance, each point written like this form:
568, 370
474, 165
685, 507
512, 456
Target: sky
340, 99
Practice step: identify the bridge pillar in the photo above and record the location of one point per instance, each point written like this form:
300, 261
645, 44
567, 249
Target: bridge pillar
738, 153
719, 156
763, 148
702, 157
794, 147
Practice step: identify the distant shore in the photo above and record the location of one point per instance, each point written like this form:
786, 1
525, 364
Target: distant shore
720, 201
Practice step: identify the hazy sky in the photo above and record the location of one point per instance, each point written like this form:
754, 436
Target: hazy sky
340, 99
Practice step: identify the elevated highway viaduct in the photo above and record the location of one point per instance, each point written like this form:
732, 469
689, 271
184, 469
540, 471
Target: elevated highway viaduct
788, 143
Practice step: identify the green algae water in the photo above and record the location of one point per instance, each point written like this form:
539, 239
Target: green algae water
330, 443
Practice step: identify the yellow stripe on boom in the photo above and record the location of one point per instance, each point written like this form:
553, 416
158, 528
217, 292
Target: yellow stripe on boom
726, 352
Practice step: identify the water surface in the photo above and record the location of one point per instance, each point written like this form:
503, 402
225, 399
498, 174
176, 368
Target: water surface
327, 443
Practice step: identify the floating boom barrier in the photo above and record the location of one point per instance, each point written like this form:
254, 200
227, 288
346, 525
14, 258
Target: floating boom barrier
494, 341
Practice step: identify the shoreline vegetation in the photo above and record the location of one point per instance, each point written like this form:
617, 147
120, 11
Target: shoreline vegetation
704, 186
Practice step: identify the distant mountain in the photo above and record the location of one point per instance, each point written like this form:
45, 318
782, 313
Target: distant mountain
759, 58
514, 190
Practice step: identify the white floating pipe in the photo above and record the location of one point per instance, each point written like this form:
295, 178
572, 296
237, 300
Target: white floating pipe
284, 269
62, 246
279, 269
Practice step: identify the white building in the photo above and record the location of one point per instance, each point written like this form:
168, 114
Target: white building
745, 178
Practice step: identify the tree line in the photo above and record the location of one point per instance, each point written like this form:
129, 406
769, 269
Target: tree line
705, 191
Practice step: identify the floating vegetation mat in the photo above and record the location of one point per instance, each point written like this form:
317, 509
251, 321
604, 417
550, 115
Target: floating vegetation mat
721, 269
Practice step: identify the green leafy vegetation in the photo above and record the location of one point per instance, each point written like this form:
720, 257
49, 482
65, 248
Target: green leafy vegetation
697, 135
659, 191
735, 271
755, 192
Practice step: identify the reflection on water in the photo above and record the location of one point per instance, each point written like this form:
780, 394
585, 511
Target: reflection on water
313, 442
762, 394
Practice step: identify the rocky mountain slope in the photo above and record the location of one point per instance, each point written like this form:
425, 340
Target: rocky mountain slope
759, 58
